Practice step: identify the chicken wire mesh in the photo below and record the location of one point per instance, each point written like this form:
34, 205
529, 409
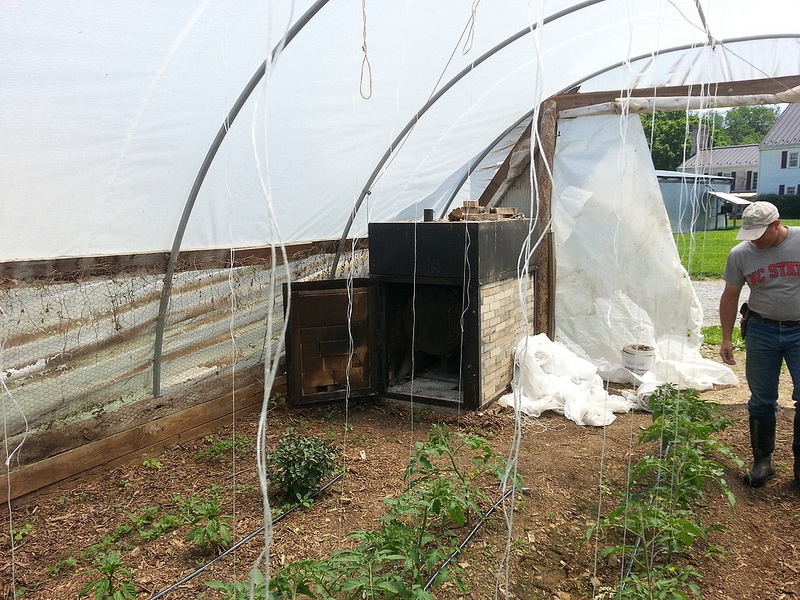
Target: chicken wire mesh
78, 351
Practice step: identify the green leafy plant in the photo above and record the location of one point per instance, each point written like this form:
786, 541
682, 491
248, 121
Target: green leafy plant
416, 535
219, 449
299, 463
64, 565
238, 590
115, 582
435, 474
152, 526
210, 529
141, 521
152, 463
277, 399
22, 532
685, 424
654, 524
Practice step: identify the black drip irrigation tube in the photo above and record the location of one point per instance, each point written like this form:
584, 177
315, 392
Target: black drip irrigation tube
470, 535
240, 543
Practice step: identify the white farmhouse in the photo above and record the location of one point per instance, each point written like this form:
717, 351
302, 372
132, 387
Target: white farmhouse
779, 155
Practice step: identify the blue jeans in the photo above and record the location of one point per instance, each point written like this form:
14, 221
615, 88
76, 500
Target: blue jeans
768, 345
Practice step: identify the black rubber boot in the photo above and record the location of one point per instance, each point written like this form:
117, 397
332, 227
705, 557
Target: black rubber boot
762, 440
796, 451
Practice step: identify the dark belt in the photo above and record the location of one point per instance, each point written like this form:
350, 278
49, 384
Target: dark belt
774, 322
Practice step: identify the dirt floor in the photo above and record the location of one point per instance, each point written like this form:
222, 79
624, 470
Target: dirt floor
572, 473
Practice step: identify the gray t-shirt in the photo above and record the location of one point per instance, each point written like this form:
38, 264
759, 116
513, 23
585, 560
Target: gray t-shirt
773, 275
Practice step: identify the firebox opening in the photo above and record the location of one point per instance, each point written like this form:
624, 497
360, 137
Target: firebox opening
424, 340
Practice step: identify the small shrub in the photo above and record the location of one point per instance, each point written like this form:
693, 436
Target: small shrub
299, 463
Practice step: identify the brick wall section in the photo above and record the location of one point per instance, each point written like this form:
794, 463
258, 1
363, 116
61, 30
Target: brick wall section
501, 327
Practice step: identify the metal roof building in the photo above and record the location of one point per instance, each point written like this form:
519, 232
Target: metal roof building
723, 157
786, 131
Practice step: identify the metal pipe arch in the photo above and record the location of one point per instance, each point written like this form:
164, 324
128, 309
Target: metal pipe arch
257, 77
573, 85
433, 99
200, 178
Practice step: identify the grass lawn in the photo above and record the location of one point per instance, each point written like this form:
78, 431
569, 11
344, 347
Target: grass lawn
703, 253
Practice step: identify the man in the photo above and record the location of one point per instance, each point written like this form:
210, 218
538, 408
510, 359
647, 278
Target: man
768, 260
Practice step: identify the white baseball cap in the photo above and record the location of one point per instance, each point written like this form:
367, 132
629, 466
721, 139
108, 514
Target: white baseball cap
755, 220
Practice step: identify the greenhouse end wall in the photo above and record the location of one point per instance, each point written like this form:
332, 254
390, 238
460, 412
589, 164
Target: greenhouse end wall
77, 358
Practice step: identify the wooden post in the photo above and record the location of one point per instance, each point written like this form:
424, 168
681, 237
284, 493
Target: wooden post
543, 147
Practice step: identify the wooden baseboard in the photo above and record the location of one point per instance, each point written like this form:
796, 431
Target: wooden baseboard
62, 438
131, 444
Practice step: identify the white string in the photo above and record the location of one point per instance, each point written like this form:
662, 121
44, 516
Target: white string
348, 390
693, 221
465, 302
9, 455
366, 67
621, 158
465, 33
232, 333
231, 323
470, 28
523, 283
413, 337
527, 251
271, 359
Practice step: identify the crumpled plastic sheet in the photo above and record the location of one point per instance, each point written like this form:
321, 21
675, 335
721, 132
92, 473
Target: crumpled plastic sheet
551, 377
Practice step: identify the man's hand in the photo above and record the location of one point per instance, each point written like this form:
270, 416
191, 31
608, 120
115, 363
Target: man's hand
727, 318
726, 353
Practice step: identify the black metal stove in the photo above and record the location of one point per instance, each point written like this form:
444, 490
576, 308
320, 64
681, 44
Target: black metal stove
434, 322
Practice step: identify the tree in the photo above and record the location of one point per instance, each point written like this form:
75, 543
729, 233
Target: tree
669, 136
670, 133
749, 124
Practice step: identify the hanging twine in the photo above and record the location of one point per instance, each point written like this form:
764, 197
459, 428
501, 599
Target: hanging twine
366, 68
470, 28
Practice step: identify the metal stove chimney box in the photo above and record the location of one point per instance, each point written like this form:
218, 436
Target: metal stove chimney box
435, 322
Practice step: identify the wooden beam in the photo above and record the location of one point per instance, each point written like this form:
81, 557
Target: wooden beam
129, 445
750, 87
50, 442
69, 269
509, 169
545, 276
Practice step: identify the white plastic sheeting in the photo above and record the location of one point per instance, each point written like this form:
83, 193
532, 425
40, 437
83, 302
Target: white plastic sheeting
619, 276
619, 281
550, 377
107, 110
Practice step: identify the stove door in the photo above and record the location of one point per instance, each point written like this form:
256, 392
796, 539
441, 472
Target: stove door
333, 342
